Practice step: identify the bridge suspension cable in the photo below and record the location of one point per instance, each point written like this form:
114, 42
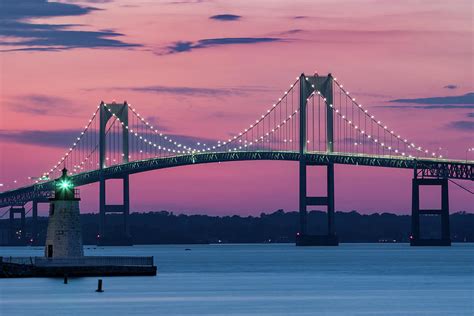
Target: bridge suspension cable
355, 131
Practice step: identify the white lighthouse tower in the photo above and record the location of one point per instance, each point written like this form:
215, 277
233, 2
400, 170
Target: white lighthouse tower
64, 235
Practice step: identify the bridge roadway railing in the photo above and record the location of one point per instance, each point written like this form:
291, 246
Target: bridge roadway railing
434, 168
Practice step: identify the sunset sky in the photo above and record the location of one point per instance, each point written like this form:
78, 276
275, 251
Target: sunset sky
233, 59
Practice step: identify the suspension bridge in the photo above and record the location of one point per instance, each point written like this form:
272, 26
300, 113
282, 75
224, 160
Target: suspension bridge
316, 122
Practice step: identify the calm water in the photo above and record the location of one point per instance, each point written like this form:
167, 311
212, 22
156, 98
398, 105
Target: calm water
352, 279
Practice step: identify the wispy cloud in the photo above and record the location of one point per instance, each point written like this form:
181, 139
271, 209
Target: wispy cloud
56, 138
39, 104
28, 36
467, 98
187, 46
225, 17
64, 137
432, 107
451, 86
467, 126
184, 91
465, 101
194, 91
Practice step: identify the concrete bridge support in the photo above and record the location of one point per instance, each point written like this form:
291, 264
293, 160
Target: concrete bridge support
34, 220
416, 239
123, 237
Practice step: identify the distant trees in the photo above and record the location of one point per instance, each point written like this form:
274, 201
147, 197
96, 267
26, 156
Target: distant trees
164, 227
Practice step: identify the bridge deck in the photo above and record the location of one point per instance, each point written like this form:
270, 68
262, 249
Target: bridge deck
427, 167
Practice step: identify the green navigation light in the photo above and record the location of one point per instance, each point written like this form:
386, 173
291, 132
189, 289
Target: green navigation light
65, 185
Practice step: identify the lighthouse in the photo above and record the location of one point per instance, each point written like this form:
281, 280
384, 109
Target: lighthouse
64, 234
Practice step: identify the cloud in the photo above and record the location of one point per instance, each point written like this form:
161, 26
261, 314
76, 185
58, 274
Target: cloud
64, 137
89, 1
300, 17
451, 86
288, 32
225, 17
187, 2
39, 104
187, 46
462, 125
195, 91
467, 98
185, 91
25, 36
431, 107
57, 138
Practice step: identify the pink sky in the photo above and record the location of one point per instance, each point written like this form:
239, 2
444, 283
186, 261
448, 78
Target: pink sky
380, 50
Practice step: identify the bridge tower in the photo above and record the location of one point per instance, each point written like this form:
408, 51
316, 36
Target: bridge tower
324, 84
419, 180
121, 111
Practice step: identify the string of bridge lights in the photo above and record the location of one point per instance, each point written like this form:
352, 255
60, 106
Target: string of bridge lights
83, 162
358, 129
380, 123
261, 138
74, 145
261, 118
149, 142
188, 148
362, 132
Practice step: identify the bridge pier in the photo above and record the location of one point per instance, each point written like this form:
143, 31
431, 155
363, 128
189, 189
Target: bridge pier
303, 238
416, 238
123, 209
13, 237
